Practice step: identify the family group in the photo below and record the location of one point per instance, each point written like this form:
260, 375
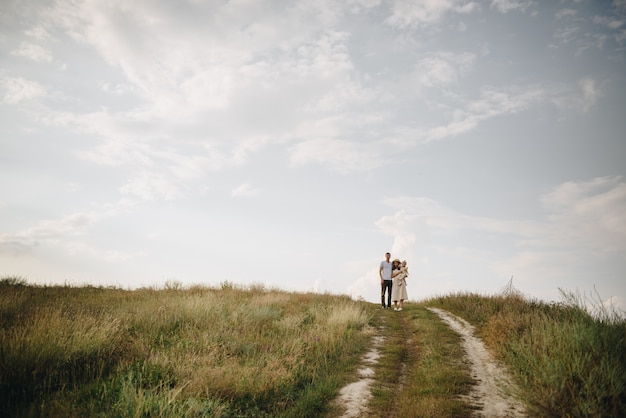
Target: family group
393, 282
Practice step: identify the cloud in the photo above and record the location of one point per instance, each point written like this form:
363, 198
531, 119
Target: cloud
411, 14
245, 190
47, 230
581, 97
587, 214
19, 89
492, 103
33, 52
574, 29
566, 13
443, 68
180, 67
329, 142
581, 236
226, 93
38, 32
204, 85
342, 156
611, 22
505, 6
590, 93
152, 186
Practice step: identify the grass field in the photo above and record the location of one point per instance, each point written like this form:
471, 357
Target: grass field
252, 352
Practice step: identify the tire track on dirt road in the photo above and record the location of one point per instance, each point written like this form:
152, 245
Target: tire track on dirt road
490, 396
491, 393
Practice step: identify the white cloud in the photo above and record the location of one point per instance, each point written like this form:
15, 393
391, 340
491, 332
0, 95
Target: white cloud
48, 230
33, 52
443, 68
19, 89
610, 22
492, 103
183, 69
505, 6
582, 227
357, 5
152, 186
590, 93
322, 143
245, 190
581, 97
156, 98
342, 156
118, 89
38, 32
411, 14
230, 85
587, 214
566, 14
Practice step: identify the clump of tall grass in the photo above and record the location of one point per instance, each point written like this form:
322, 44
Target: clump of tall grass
567, 361
201, 351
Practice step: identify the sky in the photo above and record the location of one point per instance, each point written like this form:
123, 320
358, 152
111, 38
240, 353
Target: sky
290, 144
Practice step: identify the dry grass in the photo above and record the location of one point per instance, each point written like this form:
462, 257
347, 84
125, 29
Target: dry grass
566, 361
233, 351
195, 352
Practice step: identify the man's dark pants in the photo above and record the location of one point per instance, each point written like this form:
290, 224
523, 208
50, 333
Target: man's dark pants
386, 285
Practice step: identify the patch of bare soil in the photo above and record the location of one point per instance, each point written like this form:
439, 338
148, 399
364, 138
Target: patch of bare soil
355, 396
491, 394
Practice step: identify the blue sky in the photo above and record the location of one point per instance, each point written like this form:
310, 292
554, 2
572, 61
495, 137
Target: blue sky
293, 143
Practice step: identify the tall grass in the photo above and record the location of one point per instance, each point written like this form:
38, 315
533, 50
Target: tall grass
567, 361
67, 351
252, 352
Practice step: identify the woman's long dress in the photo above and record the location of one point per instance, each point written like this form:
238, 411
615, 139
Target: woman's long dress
398, 289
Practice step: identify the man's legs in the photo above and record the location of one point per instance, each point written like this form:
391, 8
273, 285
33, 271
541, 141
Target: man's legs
386, 286
382, 292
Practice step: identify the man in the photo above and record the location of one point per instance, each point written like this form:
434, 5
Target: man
385, 280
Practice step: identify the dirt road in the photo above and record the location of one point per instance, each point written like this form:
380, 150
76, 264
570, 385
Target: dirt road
491, 392
490, 396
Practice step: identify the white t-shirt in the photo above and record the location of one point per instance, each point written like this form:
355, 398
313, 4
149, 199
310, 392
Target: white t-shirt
386, 266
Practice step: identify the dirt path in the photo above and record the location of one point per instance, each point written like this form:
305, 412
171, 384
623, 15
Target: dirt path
354, 396
490, 395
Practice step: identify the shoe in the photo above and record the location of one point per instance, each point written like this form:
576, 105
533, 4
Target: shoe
399, 309
395, 309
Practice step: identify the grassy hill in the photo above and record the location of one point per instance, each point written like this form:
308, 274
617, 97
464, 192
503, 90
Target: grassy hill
253, 352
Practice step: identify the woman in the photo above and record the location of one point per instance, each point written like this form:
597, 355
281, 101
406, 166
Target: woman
398, 289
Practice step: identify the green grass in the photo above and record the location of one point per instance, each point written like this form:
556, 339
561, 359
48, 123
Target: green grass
252, 352
68, 351
566, 361
420, 372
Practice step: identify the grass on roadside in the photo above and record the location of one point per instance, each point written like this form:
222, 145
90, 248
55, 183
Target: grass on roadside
243, 352
566, 361
85, 351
